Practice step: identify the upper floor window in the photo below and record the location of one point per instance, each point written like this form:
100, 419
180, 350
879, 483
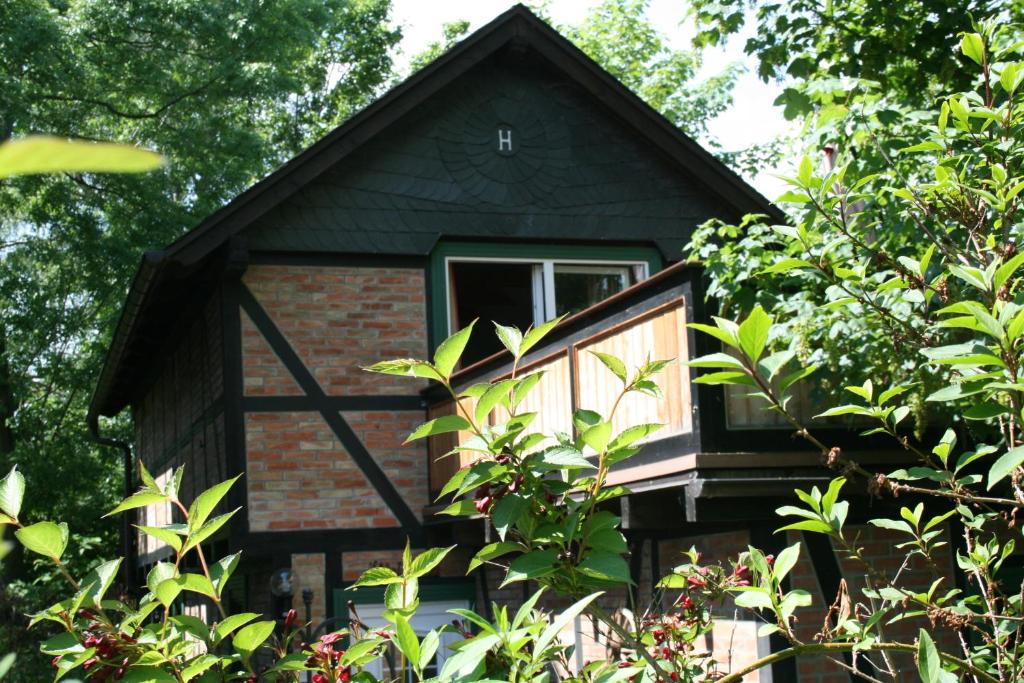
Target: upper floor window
525, 291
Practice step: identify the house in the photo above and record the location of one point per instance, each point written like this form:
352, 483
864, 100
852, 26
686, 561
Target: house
514, 180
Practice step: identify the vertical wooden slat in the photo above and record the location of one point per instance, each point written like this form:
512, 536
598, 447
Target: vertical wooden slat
657, 336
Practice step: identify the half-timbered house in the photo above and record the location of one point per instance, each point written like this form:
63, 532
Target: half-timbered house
513, 180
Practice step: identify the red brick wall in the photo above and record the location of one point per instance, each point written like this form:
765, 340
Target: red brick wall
337, 320
300, 477
179, 420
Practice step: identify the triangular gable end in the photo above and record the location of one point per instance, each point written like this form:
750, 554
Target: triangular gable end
165, 279
511, 149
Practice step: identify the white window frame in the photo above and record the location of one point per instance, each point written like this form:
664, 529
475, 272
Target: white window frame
432, 614
544, 304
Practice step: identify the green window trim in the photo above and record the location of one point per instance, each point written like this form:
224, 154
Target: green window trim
585, 253
430, 590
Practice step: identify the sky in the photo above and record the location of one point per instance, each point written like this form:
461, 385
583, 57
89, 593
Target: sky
750, 120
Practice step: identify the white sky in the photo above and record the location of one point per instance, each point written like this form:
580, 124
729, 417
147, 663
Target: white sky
751, 119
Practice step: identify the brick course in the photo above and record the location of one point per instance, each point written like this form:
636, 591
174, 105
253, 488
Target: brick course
300, 477
338, 320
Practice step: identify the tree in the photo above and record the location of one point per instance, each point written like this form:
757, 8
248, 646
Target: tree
953, 299
863, 77
618, 35
226, 91
907, 48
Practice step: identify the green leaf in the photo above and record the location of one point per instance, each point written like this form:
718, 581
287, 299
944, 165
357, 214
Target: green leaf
44, 154
617, 367
377, 576
787, 264
161, 571
6, 663
197, 666
726, 377
424, 563
929, 664
61, 644
226, 627
786, 561
753, 333
510, 336
985, 411
168, 591
406, 367
633, 434
169, 537
813, 525
441, 425
525, 385
208, 530
460, 508
1010, 76
428, 648
495, 394
206, 501
973, 47
490, 552
560, 622
972, 276
754, 598
196, 583
251, 637
716, 360
44, 538
1006, 464
597, 437
608, 539
12, 493
805, 171
406, 640
561, 458
448, 353
606, 566
138, 500
507, 512
725, 336
532, 565
535, 334
147, 674
468, 656
100, 578
192, 625
222, 569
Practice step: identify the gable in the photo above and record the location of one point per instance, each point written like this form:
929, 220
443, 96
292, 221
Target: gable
511, 149
596, 165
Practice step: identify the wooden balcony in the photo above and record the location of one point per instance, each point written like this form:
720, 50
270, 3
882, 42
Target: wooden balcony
645, 322
717, 449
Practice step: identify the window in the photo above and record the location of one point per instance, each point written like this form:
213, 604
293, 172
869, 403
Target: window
524, 292
432, 614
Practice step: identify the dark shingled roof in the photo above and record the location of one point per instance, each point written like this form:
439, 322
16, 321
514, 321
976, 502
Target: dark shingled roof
593, 163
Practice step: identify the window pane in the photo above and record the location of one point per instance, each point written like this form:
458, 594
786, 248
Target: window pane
490, 291
577, 286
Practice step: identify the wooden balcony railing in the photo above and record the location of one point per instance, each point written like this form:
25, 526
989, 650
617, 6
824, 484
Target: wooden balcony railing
645, 322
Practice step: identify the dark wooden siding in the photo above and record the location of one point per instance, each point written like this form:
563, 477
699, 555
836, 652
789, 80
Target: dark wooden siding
576, 173
180, 419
